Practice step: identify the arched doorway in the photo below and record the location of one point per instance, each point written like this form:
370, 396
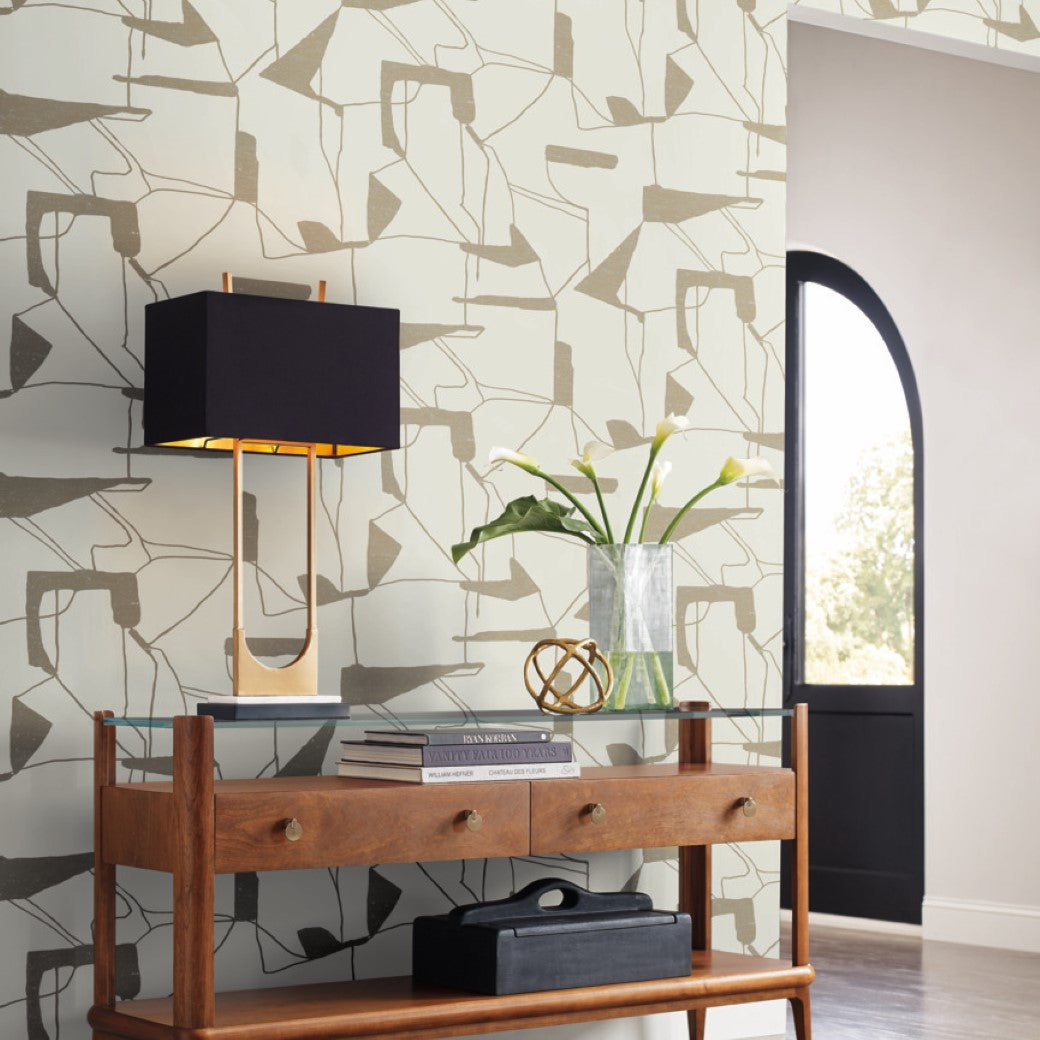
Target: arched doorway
853, 614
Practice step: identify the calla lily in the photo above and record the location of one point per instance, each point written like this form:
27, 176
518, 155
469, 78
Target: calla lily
517, 458
658, 474
657, 477
666, 427
592, 453
732, 469
736, 469
596, 451
526, 462
527, 514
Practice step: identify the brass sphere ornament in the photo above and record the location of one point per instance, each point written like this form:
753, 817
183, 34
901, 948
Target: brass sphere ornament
585, 654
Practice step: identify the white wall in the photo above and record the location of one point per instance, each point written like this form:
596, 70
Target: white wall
919, 170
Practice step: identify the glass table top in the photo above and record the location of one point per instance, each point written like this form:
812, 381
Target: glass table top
365, 715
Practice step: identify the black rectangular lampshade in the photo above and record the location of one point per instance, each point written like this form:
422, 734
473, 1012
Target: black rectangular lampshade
226, 366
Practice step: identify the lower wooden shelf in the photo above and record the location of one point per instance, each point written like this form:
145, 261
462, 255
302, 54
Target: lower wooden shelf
378, 1009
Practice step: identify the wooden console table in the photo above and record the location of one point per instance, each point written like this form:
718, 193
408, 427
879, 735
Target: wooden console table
195, 827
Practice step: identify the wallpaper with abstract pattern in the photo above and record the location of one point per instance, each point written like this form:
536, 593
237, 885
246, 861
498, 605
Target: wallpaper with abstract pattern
578, 208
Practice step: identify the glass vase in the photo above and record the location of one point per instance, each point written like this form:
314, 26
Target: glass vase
632, 619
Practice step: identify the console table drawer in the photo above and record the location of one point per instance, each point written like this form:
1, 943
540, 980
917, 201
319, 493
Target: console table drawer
369, 822
681, 809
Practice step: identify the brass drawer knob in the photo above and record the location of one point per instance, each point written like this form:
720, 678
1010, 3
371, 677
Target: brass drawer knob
474, 821
597, 812
749, 805
293, 829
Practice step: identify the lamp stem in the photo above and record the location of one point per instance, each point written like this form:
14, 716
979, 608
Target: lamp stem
250, 677
236, 556
312, 570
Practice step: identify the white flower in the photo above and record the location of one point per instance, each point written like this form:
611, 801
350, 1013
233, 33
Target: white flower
736, 469
593, 452
667, 426
658, 475
596, 451
517, 458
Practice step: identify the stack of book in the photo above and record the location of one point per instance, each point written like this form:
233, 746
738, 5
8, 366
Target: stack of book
449, 756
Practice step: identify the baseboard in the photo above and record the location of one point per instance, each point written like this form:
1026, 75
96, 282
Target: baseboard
1000, 925
857, 924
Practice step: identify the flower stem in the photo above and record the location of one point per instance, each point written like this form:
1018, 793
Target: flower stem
654, 449
682, 512
621, 692
664, 694
644, 667
642, 526
602, 507
600, 533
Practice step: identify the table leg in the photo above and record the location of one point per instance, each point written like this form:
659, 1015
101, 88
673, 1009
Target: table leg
802, 1018
695, 1021
695, 860
193, 1005
104, 873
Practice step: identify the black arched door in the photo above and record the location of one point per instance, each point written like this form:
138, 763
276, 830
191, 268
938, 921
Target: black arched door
853, 647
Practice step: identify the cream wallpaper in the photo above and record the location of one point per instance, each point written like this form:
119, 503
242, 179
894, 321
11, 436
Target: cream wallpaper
577, 207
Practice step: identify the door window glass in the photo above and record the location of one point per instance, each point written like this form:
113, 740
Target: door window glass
859, 501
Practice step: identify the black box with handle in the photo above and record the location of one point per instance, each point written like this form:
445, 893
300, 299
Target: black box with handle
517, 945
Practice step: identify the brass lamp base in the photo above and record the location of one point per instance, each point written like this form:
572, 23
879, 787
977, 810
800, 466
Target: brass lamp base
250, 678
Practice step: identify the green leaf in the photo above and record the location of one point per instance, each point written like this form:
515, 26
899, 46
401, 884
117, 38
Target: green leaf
527, 514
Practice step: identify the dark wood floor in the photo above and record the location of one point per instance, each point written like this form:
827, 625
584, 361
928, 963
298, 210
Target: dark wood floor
872, 986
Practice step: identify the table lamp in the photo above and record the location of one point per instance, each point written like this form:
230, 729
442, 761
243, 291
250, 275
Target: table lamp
228, 371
